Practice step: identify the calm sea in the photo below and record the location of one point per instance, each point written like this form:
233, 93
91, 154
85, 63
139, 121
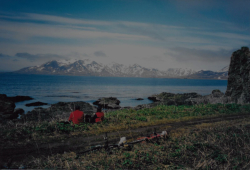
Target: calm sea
52, 89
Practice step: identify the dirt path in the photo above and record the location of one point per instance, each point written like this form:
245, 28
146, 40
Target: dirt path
77, 144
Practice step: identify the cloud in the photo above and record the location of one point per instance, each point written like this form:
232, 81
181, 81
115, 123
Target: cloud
100, 54
36, 38
143, 29
21, 60
155, 58
183, 55
38, 57
4, 56
28, 56
53, 19
57, 30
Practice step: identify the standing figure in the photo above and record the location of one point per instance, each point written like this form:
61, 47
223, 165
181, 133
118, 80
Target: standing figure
77, 116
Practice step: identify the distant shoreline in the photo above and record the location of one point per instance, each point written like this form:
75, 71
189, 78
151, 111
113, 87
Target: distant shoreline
111, 76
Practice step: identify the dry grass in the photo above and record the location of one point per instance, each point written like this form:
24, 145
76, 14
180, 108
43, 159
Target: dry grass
221, 145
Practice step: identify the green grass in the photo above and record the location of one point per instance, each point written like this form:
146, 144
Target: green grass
118, 120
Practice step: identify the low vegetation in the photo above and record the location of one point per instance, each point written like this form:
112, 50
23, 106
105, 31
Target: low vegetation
115, 121
223, 145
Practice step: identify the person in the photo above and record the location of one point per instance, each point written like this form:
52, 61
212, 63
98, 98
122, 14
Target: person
99, 115
77, 116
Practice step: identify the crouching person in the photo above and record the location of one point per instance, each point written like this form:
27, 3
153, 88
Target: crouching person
99, 115
77, 116
96, 117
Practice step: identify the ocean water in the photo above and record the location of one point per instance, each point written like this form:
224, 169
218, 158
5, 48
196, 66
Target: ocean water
52, 89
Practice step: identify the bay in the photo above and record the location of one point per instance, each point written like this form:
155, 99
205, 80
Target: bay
53, 88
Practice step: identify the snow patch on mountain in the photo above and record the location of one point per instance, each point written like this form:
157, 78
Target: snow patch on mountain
89, 67
224, 69
66, 62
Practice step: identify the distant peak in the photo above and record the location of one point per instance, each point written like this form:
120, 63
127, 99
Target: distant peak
224, 69
136, 65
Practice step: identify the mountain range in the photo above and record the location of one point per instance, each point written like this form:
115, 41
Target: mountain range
92, 68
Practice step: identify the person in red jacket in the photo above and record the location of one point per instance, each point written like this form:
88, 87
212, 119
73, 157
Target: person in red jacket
77, 116
99, 115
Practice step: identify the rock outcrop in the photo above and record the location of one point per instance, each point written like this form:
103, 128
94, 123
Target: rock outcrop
58, 111
18, 111
238, 88
172, 99
108, 102
215, 97
6, 108
165, 98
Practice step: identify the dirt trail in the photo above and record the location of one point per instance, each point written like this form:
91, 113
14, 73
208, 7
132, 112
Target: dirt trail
77, 144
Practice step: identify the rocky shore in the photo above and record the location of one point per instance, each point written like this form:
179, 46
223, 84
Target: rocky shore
238, 91
61, 110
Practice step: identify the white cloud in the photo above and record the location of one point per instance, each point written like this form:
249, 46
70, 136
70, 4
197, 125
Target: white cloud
24, 31
120, 41
55, 19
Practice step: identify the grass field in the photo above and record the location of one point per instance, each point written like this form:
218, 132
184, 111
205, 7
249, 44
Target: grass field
223, 145
115, 121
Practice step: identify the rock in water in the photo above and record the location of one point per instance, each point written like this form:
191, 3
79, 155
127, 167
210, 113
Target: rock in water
108, 102
20, 98
36, 104
238, 88
139, 99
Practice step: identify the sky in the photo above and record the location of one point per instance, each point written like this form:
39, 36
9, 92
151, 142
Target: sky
161, 34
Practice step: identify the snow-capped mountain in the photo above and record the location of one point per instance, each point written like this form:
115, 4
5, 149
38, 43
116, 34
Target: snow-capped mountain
207, 74
92, 68
224, 69
179, 72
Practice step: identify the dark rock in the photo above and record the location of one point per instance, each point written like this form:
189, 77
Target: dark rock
113, 106
171, 98
216, 97
36, 104
139, 99
6, 107
19, 111
3, 96
14, 115
127, 107
239, 77
58, 111
108, 102
217, 93
20, 98
70, 107
238, 90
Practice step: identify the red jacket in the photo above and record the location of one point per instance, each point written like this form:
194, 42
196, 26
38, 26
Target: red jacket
99, 116
76, 117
